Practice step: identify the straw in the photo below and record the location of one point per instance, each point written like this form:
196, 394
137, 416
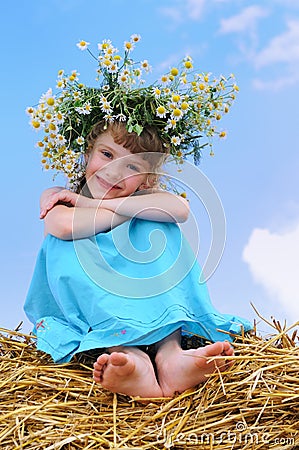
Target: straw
254, 404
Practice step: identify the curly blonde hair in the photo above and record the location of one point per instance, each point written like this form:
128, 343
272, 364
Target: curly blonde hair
148, 143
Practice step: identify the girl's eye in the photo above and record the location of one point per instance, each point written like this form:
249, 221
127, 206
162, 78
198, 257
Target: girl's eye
133, 167
107, 154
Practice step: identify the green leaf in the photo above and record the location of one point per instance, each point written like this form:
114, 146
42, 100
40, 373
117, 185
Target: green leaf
137, 128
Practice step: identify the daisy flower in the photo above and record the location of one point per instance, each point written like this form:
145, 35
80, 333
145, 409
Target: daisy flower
188, 64
161, 111
135, 38
176, 114
80, 141
85, 109
170, 124
145, 65
121, 117
109, 118
122, 78
128, 46
35, 123
82, 45
157, 92
60, 139
175, 140
48, 98
165, 79
106, 107
104, 45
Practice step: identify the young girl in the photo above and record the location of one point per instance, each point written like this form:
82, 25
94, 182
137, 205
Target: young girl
115, 273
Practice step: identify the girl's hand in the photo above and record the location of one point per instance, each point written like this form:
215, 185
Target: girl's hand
54, 196
46, 197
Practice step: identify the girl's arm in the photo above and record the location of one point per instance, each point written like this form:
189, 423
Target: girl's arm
85, 218
157, 205
92, 216
46, 199
78, 223
160, 206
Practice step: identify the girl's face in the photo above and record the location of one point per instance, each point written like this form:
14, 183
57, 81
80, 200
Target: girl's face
113, 171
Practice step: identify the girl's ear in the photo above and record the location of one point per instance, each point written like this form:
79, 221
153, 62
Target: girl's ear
151, 182
143, 186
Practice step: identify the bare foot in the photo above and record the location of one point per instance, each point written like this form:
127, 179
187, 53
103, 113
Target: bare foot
179, 369
128, 371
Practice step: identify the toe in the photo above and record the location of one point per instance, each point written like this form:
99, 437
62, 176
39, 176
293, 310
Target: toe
118, 359
227, 349
214, 349
102, 360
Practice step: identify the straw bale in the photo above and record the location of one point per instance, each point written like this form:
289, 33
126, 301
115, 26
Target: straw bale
253, 405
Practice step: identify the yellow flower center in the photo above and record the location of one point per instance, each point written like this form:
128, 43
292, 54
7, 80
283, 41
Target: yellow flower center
174, 71
35, 123
176, 98
177, 112
161, 110
188, 65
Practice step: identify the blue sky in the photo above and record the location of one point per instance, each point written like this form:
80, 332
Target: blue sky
255, 170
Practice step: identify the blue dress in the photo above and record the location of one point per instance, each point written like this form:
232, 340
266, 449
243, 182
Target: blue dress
131, 286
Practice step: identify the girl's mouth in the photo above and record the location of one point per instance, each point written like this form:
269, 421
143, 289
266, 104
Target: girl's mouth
106, 185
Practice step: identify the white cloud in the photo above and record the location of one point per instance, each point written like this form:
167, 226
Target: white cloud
277, 84
244, 21
273, 260
184, 9
288, 3
195, 8
282, 48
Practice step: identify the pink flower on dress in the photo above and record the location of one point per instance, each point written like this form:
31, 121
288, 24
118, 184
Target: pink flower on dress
40, 324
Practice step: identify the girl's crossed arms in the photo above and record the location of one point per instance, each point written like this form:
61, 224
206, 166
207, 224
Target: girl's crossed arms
89, 216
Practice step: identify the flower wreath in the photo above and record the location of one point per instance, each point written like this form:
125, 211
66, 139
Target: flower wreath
183, 105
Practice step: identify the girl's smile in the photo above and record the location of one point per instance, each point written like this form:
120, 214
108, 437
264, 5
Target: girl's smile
113, 171
105, 184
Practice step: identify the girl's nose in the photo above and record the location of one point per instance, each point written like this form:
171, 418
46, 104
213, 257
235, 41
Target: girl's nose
114, 171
